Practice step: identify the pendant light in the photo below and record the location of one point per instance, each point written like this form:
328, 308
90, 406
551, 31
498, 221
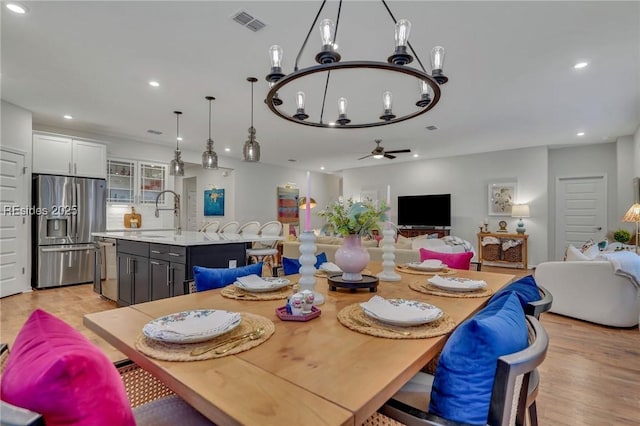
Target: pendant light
251, 148
209, 156
176, 167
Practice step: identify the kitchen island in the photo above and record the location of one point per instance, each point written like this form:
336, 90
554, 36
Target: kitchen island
154, 265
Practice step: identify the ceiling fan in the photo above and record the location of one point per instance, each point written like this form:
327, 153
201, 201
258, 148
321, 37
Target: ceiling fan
379, 152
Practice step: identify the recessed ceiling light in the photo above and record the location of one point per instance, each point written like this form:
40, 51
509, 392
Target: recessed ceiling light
580, 134
321, 167
18, 8
67, 116
227, 150
580, 65
180, 138
154, 83
332, 124
415, 155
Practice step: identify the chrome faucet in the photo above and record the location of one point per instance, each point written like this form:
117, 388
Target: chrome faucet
176, 207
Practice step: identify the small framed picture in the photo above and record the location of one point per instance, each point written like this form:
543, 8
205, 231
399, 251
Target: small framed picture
502, 197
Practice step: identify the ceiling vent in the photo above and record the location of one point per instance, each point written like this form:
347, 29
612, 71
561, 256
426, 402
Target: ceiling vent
155, 132
246, 20
431, 128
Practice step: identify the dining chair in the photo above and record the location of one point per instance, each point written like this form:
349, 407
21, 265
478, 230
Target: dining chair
509, 392
250, 228
229, 228
534, 309
210, 226
151, 402
266, 251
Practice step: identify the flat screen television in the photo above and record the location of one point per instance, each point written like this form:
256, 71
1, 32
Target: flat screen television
424, 210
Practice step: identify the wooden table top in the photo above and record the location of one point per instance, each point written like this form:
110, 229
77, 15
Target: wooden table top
315, 372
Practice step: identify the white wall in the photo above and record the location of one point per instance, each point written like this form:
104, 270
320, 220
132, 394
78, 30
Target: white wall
636, 153
467, 178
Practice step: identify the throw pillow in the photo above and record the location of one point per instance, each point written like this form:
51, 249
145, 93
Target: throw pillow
573, 254
292, 266
586, 246
56, 371
464, 377
403, 242
525, 288
452, 260
210, 278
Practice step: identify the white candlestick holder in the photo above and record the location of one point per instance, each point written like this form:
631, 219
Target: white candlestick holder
307, 269
388, 256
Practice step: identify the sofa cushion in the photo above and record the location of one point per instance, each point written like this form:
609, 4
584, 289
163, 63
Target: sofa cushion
525, 288
56, 371
329, 240
292, 266
433, 244
452, 260
210, 278
464, 377
574, 254
403, 242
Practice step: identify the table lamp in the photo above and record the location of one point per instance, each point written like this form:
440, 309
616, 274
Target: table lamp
633, 215
302, 203
520, 211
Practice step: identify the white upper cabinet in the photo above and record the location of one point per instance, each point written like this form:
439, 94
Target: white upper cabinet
61, 155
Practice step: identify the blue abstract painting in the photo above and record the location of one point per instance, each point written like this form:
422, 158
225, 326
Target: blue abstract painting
214, 202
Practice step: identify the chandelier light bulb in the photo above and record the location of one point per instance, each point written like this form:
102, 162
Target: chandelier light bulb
387, 99
275, 54
342, 106
403, 29
300, 100
327, 31
424, 88
437, 58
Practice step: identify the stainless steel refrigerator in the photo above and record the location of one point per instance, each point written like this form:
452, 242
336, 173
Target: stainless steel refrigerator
67, 210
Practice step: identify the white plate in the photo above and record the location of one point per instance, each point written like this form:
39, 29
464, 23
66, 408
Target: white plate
191, 326
427, 268
276, 283
457, 284
431, 313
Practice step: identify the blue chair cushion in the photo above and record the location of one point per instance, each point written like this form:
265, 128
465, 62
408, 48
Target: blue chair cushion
464, 377
525, 288
292, 266
210, 278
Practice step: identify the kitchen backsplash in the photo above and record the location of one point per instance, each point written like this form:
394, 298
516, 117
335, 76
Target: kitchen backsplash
115, 217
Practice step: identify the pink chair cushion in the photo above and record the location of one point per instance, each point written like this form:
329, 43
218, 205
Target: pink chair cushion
452, 260
56, 371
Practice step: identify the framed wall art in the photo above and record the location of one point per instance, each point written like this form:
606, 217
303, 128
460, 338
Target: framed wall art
214, 202
502, 196
288, 204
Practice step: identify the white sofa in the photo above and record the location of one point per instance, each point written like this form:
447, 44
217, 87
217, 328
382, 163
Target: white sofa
590, 291
291, 249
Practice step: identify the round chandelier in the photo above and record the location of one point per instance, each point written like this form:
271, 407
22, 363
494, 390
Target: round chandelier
328, 59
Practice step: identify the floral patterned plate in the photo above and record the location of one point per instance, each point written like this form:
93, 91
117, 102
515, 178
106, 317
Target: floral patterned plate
191, 326
272, 284
401, 312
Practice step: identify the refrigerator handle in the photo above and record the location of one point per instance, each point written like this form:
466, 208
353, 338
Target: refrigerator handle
74, 217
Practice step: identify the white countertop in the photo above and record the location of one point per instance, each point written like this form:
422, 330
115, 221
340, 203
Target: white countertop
185, 238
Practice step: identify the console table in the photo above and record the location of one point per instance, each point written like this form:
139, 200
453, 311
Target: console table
494, 255
417, 231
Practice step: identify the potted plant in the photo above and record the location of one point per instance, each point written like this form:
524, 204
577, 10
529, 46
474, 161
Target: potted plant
353, 220
622, 236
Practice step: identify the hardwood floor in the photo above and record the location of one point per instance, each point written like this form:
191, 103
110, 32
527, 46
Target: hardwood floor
591, 376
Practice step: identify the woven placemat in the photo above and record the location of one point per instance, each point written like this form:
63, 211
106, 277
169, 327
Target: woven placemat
407, 270
354, 318
427, 288
182, 351
235, 292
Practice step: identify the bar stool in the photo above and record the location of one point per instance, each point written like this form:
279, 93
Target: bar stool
266, 251
211, 226
250, 228
229, 228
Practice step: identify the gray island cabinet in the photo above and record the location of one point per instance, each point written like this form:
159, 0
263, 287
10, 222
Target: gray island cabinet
156, 265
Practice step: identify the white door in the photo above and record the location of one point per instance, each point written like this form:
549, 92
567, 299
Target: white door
581, 211
192, 209
14, 224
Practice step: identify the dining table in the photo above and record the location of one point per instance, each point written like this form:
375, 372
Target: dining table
316, 372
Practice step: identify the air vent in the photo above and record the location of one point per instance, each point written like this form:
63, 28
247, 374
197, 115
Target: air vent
246, 20
291, 160
431, 128
155, 132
